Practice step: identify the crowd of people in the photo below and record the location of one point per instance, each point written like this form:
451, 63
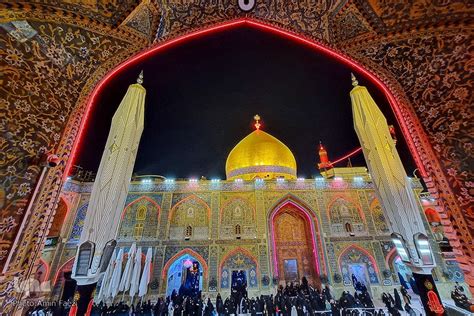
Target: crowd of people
294, 299
394, 303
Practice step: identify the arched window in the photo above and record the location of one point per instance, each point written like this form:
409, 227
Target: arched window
86, 251
348, 227
107, 254
238, 230
423, 248
138, 231
188, 232
141, 213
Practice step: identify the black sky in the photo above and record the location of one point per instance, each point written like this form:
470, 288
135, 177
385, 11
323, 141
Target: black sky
202, 95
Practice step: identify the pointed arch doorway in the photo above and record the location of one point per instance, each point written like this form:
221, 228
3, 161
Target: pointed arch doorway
294, 247
184, 276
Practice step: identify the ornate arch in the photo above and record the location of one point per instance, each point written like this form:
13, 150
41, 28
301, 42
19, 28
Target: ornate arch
190, 252
390, 258
190, 197
349, 200
144, 197
374, 277
237, 219
291, 198
70, 262
391, 255
234, 251
314, 227
189, 221
315, 44
253, 267
134, 227
246, 201
358, 248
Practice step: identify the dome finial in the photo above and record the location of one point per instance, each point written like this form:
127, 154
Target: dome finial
257, 121
260, 155
355, 83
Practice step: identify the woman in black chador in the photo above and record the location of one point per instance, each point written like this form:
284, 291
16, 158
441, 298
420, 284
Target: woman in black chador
219, 305
398, 300
209, 309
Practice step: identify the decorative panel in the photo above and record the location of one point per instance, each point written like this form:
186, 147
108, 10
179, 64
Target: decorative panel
143, 211
192, 214
354, 258
345, 218
237, 217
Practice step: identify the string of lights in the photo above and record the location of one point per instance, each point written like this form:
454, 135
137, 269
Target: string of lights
352, 153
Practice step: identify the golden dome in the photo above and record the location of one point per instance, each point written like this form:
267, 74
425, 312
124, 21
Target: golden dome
260, 155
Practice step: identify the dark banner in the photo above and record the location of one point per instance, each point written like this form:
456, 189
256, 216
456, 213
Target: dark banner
429, 294
85, 295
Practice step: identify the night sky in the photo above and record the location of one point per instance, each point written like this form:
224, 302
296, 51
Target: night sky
202, 96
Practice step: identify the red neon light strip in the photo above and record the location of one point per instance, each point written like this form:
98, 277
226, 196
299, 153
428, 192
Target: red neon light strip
346, 60
133, 60
259, 25
352, 153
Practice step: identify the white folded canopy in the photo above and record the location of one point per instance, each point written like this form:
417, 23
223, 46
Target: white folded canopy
127, 272
106, 278
116, 275
137, 266
145, 280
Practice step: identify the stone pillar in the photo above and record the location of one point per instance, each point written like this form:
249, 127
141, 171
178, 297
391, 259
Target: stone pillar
165, 212
214, 265
362, 196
